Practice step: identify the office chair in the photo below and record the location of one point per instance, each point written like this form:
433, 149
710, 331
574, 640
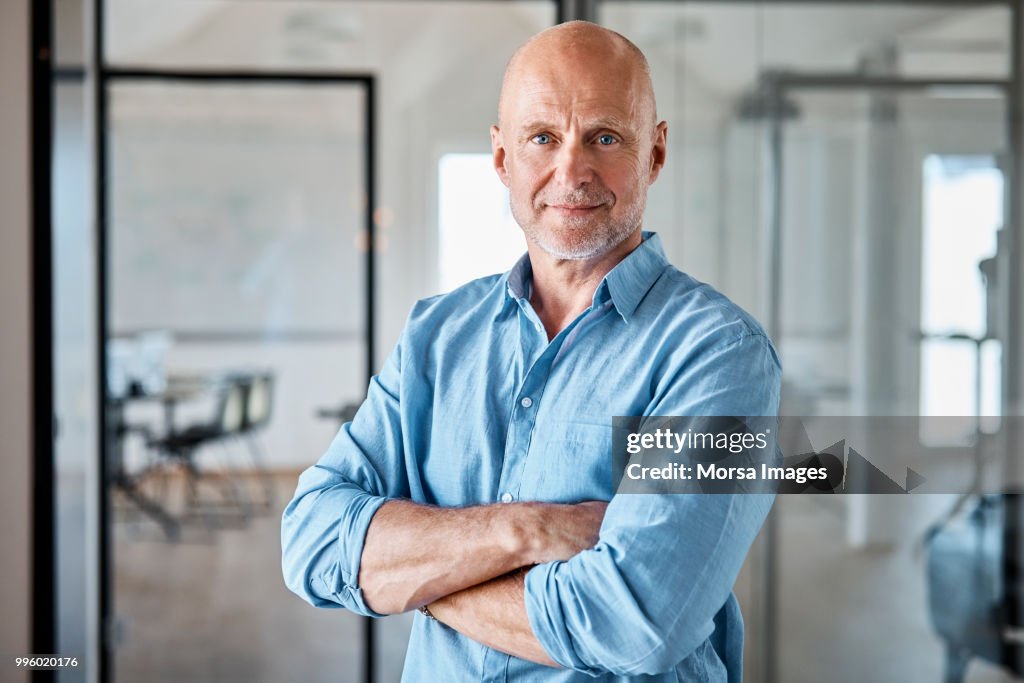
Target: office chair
130, 483
182, 446
259, 394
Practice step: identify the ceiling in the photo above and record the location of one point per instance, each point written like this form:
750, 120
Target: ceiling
714, 49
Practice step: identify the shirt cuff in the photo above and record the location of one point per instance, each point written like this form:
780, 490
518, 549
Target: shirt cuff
544, 611
352, 529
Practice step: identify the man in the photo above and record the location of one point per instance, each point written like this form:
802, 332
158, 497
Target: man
471, 482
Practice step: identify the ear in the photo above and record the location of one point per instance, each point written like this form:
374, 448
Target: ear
658, 153
498, 153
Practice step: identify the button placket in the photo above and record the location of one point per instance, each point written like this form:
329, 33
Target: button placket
522, 422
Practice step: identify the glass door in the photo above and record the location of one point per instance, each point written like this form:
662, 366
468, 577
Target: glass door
890, 202
237, 330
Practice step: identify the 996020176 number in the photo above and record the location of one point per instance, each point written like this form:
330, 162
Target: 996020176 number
43, 662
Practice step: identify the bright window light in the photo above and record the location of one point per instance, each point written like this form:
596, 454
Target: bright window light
478, 235
963, 209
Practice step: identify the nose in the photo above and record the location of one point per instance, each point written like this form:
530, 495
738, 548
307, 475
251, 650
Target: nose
572, 166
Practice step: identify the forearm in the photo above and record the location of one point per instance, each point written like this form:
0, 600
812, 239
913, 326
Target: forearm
494, 613
414, 554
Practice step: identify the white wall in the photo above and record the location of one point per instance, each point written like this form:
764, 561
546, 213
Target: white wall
15, 349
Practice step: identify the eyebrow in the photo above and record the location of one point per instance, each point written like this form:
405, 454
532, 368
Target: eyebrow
604, 122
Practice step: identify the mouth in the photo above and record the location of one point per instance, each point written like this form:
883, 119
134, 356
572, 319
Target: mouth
574, 209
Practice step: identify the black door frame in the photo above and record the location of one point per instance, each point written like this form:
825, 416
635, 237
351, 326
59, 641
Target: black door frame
107, 76
43, 636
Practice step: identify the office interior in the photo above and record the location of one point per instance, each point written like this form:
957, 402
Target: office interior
240, 202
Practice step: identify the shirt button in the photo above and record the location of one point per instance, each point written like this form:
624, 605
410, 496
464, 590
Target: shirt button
526, 402
506, 497
540, 328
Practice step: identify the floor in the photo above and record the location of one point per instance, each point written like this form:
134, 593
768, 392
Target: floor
212, 606
858, 614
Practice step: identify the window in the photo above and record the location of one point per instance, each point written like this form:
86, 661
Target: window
478, 235
963, 209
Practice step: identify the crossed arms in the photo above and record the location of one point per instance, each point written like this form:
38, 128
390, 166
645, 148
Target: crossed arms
463, 561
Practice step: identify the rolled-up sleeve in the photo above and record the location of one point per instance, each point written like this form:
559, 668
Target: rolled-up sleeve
324, 527
646, 596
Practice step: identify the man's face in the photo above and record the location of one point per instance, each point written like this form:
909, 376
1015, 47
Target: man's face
577, 148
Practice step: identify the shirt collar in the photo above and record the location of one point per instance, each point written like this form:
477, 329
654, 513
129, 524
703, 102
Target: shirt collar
519, 280
633, 276
625, 284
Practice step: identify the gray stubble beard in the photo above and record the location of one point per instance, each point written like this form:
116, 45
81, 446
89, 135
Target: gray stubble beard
589, 244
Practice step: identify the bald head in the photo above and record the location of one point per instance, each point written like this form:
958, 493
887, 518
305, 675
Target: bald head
578, 143
577, 45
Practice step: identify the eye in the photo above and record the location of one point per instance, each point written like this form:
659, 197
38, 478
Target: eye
541, 139
606, 139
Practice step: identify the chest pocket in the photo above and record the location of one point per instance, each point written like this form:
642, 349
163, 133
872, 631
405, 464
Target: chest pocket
569, 462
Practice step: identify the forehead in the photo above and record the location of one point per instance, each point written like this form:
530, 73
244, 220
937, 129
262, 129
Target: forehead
583, 93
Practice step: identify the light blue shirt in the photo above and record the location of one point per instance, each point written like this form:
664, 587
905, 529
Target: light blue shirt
476, 406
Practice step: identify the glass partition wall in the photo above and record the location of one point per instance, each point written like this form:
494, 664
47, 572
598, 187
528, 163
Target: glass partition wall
76, 418
838, 169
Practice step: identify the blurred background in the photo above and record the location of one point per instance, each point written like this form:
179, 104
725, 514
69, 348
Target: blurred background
247, 197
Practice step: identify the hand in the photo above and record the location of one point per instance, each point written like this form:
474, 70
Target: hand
566, 530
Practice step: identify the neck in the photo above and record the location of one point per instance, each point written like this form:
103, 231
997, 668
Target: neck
564, 288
